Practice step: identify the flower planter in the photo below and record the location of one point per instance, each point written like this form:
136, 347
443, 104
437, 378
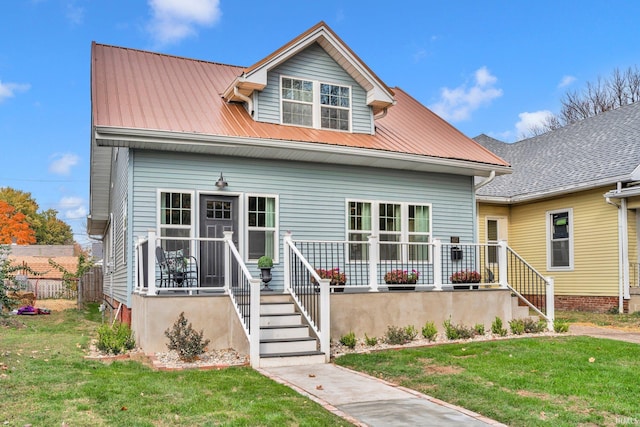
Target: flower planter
467, 286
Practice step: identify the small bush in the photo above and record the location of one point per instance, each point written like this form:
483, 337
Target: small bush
370, 341
185, 340
411, 332
560, 326
517, 326
479, 329
349, 340
613, 310
429, 331
396, 335
534, 327
497, 329
456, 332
115, 339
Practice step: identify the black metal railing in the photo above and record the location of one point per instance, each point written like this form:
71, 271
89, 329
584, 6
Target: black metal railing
305, 288
240, 290
526, 281
469, 263
332, 261
634, 274
405, 265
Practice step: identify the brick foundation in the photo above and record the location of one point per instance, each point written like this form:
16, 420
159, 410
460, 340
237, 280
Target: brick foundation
124, 316
596, 304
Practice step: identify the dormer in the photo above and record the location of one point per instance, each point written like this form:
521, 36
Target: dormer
314, 81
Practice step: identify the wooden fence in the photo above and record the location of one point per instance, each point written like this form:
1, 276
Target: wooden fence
90, 286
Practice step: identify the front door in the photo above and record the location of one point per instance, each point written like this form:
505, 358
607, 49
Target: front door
217, 215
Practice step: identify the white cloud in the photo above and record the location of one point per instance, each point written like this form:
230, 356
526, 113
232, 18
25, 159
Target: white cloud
62, 163
566, 81
72, 207
173, 20
530, 121
458, 104
419, 55
8, 90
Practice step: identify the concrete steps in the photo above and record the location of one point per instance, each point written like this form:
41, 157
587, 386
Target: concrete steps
284, 339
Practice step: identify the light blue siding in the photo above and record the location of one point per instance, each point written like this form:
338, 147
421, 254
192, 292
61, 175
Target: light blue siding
119, 261
312, 197
315, 64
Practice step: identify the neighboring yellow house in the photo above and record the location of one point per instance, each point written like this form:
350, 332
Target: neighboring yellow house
570, 208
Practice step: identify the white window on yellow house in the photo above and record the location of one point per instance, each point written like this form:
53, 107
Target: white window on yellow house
560, 240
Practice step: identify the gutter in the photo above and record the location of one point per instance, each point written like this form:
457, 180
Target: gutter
245, 98
481, 184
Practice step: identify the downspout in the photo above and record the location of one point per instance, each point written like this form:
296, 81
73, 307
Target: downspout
245, 98
623, 270
481, 184
381, 115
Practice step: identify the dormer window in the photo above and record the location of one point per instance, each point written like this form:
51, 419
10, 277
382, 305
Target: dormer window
314, 104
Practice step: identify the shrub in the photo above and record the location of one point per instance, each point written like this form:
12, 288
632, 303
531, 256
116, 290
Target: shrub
560, 326
429, 331
411, 332
479, 329
370, 341
185, 340
396, 335
455, 332
115, 339
517, 326
534, 327
349, 340
497, 329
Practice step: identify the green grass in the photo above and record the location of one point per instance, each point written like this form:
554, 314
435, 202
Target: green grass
521, 382
44, 380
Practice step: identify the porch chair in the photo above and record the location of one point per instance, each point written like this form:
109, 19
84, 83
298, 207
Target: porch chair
176, 269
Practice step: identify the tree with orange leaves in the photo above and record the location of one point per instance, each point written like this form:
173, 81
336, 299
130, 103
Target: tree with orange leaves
13, 224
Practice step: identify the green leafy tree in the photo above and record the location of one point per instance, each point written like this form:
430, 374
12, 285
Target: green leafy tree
53, 231
7, 279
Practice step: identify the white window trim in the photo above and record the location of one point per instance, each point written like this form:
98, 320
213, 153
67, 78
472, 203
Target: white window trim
247, 228
160, 226
404, 223
549, 236
316, 106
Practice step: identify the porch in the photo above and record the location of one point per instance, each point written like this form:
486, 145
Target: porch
334, 288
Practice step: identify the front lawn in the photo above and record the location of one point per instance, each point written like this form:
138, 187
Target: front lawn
45, 381
543, 381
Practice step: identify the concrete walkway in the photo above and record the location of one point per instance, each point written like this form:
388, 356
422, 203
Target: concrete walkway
367, 401
632, 336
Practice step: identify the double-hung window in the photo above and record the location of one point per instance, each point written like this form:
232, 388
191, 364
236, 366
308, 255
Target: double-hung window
175, 217
406, 227
262, 226
560, 240
315, 104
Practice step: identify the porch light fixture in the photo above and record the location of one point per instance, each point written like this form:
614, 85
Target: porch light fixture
221, 183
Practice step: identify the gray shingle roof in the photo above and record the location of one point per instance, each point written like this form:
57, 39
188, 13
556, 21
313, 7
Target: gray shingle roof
593, 152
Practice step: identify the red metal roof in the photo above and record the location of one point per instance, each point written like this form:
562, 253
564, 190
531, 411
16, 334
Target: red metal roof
145, 90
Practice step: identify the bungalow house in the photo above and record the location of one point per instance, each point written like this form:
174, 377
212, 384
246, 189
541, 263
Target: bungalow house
570, 207
199, 169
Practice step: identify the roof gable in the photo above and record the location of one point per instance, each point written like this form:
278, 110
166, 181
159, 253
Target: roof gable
379, 96
593, 152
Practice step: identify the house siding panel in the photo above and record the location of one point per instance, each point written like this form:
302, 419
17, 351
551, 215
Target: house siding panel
311, 196
116, 283
595, 242
313, 63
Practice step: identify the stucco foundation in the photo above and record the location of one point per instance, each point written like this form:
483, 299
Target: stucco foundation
368, 313
214, 315
372, 313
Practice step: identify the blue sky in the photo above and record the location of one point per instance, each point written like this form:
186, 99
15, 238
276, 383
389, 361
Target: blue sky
491, 67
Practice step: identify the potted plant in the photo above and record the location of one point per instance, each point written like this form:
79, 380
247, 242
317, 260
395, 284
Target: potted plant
265, 263
465, 276
336, 277
395, 277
